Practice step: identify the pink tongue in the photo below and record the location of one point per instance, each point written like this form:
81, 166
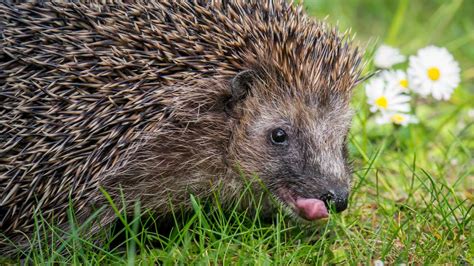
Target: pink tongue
311, 209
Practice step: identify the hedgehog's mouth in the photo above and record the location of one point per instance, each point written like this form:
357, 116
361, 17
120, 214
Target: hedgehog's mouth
310, 209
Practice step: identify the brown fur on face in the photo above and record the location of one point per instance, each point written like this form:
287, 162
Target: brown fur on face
163, 99
314, 161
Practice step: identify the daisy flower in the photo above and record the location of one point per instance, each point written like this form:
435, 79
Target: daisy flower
397, 78
396, 118
385, 97
386, 56
434, 71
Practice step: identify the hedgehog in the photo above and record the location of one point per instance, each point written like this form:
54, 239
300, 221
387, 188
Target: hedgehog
154, 101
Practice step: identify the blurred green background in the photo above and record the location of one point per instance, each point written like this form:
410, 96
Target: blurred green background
408, 25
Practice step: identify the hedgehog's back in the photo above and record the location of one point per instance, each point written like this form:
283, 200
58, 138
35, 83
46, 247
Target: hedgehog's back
80, 86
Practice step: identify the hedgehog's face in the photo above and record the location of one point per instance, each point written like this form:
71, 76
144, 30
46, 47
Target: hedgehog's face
298, 149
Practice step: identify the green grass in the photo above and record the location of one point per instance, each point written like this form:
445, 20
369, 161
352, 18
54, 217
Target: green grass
412, 200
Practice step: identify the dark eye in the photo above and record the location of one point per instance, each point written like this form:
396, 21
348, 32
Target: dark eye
279, 136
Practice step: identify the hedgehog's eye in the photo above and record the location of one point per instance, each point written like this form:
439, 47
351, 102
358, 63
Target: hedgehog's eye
279, 136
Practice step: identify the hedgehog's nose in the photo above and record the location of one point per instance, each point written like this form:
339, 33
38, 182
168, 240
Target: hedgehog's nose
336, 200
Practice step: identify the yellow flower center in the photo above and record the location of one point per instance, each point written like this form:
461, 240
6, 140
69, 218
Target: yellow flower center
433, 73
404, 83
381, 102
397, 118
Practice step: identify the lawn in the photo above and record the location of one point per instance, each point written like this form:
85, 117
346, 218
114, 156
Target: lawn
413, 187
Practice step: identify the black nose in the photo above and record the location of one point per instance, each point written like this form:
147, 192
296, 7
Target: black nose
335, 200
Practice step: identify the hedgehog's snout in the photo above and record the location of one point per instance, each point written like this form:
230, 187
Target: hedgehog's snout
336, 199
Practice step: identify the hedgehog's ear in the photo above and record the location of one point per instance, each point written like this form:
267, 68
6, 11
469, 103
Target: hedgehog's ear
240, 86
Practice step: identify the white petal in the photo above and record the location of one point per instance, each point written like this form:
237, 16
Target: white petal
386, 56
